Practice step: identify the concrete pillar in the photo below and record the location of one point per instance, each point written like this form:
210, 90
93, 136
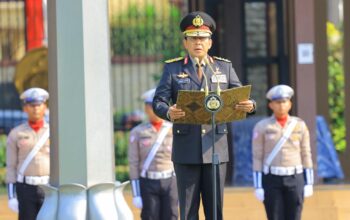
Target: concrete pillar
79, 84
305, 70
82, 156
321, 59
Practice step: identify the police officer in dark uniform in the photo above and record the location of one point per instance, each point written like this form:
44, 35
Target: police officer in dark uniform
192, 144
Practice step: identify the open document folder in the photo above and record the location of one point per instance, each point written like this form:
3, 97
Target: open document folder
192, 103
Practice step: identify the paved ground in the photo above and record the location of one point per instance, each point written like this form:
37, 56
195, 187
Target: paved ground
229, 213
327, 203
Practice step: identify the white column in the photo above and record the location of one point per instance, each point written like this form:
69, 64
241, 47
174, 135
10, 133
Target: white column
79, 85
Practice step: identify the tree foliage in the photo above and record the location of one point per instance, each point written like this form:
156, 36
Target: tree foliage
146, 31
2, 159
336, 86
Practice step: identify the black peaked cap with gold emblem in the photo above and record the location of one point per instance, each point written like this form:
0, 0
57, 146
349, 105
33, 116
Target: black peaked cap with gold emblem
197, 24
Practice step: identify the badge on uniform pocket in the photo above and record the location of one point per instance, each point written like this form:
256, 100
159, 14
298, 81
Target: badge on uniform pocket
221, 78
145, 142
24, 141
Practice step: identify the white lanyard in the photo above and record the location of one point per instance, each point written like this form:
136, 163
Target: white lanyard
32, 154
165, 129
280, 143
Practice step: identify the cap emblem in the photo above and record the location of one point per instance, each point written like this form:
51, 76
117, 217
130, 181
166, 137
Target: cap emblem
197, 21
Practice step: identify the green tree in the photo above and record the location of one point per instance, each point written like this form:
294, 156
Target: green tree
2, 159
336, 86
144, 31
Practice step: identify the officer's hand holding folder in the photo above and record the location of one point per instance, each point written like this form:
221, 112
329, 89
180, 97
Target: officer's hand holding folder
192, 103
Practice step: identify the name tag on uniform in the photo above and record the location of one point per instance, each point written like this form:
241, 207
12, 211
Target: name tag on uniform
184, 81
221, 78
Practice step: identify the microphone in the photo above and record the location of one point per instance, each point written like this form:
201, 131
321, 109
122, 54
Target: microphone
218, 89
205, 77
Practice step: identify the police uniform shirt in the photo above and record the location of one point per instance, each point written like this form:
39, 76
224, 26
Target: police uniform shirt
295, 151
142, 139
21, 140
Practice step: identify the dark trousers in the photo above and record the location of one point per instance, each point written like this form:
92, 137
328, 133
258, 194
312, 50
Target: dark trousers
284, 196
194, 181
159, 198
30, 199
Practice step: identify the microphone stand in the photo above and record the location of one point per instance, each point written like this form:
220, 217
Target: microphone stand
213, 104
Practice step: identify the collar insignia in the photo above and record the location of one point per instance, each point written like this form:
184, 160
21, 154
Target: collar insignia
186, 60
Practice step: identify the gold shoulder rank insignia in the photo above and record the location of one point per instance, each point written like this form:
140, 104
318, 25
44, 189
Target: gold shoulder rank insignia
182, 75
222, 59
174, 59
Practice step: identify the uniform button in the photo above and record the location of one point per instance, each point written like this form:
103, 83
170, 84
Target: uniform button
178, 131
203, 131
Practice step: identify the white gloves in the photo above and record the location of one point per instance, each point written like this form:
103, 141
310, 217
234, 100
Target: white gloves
13, 204
136, 193
260, 194
137, 201
259, 191
308, 191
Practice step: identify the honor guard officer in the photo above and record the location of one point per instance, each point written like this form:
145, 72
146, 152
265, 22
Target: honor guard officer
192, 144
151, 169
28, 157
282, 163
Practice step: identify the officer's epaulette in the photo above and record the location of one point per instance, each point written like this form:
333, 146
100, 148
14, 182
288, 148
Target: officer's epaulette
174, 60
222, 59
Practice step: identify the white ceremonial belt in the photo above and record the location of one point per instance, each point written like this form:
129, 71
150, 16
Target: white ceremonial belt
283, 171
157, 175
33, 180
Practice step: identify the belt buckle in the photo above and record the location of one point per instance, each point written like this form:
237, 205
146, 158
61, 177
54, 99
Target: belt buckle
151, 175
279, 172
162, 175
30, 180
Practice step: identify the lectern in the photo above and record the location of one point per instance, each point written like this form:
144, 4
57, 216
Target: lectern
212, 109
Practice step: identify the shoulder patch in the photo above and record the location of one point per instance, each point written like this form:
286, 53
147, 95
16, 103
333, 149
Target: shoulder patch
222, 59
174, 60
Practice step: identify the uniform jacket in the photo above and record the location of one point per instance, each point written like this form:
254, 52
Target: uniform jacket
20, 141
295, 151
142, 139
192, 144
